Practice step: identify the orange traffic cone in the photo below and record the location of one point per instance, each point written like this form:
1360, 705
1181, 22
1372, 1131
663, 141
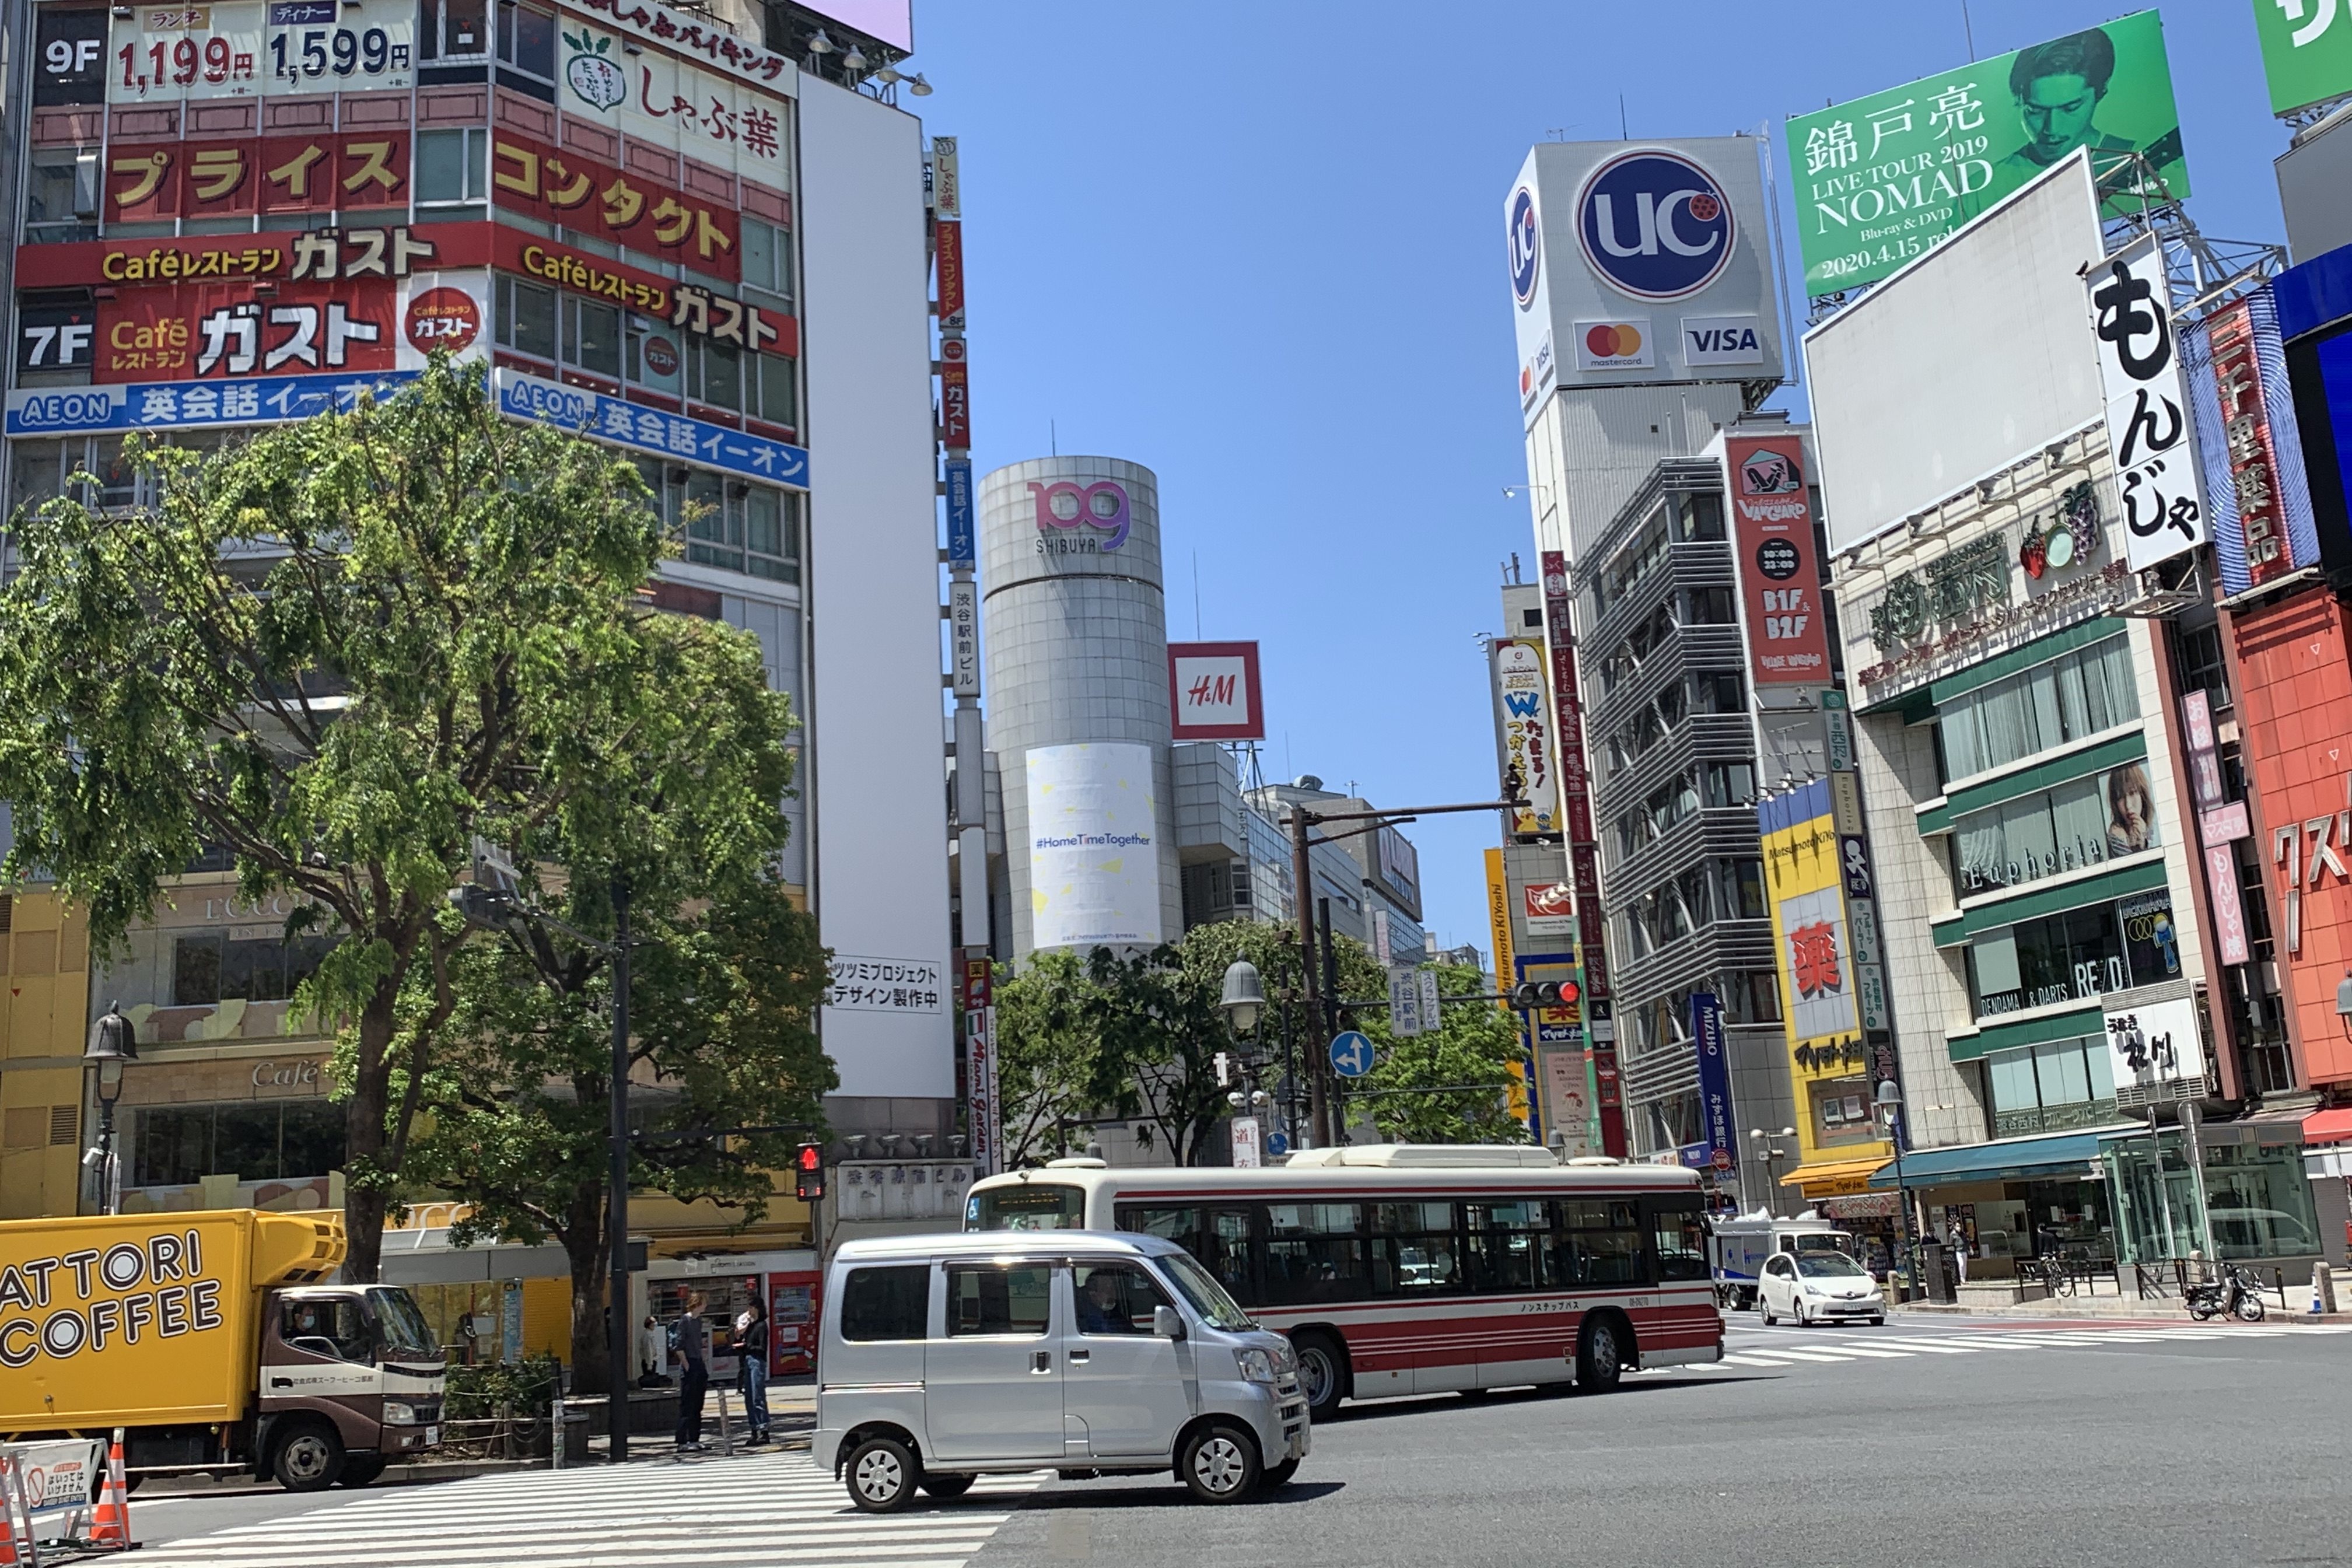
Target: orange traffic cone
111, 1526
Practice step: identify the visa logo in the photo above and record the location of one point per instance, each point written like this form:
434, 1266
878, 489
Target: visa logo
1723, 340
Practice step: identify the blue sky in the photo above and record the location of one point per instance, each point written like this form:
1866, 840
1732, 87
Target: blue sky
1259, 249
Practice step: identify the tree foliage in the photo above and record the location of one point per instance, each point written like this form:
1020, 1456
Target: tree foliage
340, 649
1441, 1086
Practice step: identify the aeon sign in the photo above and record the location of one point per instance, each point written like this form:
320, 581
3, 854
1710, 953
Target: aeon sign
1066, 505
1655, 225
1525, 240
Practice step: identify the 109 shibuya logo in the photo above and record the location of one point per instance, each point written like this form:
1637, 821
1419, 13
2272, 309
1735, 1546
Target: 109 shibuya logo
1655, 225
1102, 504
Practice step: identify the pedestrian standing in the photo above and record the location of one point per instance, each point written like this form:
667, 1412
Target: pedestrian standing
751, 1366
694, 1373
1957, 1240
653, 1351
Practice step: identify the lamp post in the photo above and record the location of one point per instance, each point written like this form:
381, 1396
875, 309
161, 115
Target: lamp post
2344, 1004
1242, 1002
1890, 1112
112, 1043
1769, 1155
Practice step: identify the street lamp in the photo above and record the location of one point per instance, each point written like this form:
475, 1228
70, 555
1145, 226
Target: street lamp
2344, 1004
1244, 995
1890, 1112
112, 1043
1769, 1155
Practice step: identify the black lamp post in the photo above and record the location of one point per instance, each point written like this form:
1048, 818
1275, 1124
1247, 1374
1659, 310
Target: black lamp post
112, 1043
1890, 1111
1242, 1003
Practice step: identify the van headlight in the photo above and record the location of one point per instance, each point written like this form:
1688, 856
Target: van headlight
1256, 1365
400, 1413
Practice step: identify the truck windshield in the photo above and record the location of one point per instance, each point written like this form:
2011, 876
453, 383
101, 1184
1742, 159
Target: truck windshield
402, 1326
1032, 1205
1208, 1298
1822, 1241
1828, 1265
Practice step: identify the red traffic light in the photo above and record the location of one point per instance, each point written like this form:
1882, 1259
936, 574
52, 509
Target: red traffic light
808, 1172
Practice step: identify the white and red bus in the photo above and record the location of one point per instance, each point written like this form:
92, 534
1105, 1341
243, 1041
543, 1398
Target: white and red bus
1414, 1268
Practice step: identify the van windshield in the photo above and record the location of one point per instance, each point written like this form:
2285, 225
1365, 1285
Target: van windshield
1032, 1205
1208, 1298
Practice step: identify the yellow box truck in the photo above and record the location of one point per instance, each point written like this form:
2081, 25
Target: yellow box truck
212, 1339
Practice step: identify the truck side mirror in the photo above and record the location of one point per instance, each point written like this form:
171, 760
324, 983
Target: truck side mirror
1168, 1323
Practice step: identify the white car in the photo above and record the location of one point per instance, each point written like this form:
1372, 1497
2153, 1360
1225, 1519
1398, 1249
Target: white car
1817, 1287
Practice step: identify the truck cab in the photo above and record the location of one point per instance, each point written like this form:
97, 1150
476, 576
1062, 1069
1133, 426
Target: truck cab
351, 1381
1741, 1245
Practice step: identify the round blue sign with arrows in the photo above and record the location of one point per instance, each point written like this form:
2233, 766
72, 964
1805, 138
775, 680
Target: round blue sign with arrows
1351, 1053
1277, 1145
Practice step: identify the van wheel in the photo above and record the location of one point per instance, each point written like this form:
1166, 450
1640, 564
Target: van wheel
1220, 1463
310, 1456
947, 1488
883, 1474
1600, 1359
359, 1471
1322, 1374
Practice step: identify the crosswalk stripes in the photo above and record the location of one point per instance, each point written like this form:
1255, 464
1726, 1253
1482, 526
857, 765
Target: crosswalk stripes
1773, 1354
770, 1510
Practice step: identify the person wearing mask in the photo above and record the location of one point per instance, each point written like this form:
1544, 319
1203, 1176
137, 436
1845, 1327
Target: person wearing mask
694, 1373
1956, 1240
751, 1366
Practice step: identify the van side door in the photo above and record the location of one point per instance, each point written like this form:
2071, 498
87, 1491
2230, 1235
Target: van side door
1124, 1388
992, 1381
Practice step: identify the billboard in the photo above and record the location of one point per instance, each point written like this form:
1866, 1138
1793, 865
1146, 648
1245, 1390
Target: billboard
1641, 263
2250, 443
629, 209
1780, 575
2306, 51
1214, 690
2148, 418
890, 21
2155, 1042
247, 49
1523, 733
1885, 179
1989, 330
1094, 850
712, 116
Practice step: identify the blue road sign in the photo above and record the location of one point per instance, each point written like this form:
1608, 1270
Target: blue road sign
1278, 1143
1351, 1053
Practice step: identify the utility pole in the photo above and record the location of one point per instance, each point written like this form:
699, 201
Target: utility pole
1302, 897
616, 1306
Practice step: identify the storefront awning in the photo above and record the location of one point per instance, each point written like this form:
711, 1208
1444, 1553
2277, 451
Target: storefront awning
2062, 1153
2329, 1126
1825, 1178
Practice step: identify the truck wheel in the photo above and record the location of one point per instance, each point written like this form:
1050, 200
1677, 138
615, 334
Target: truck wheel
310, 1456
361, 1469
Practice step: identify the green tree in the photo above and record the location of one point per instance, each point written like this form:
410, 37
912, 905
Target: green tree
1444, 1086
1046, 1059
338, 649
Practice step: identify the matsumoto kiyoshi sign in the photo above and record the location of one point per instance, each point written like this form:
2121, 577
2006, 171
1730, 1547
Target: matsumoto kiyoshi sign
1884, 179
2306, 50
1653, 225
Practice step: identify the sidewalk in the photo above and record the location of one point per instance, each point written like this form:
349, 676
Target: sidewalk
2122, 1308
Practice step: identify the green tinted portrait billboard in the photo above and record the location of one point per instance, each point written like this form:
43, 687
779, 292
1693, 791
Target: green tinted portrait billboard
1883, 179
2306, 51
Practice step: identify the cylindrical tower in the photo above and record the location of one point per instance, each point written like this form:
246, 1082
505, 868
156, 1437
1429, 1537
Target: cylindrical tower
1077, 703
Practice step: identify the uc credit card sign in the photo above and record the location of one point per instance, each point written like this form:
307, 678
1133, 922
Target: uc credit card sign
652, 430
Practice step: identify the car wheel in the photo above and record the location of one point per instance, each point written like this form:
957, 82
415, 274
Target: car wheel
882, 1474
1797, 1314
310, 1456
1322, 1374
947, 1488
1278, 1476
1879, 1322
1220, 1463
360, 1471
1764, 1308
1601, 1358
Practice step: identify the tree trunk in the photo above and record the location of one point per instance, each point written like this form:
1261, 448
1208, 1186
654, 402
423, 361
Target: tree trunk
583, 1244
365, 1203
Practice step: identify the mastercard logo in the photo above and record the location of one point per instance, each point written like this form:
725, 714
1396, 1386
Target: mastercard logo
1614, 340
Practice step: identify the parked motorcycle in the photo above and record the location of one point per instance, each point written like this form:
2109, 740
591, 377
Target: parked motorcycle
2236, 1292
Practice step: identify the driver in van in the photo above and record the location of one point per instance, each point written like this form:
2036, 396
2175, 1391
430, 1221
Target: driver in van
1099, 1309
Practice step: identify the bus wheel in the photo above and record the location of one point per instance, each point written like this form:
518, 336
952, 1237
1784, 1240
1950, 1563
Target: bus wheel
1600, 1356
1322, 1374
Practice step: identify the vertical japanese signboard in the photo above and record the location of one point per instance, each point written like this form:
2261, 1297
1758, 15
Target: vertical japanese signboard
1583, 850
984, 1116
2148, 408
1523, 732
1708, 1039
2251, 447
1780, 577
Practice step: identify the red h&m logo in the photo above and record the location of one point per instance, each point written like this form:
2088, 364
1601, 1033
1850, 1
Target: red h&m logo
1213, 691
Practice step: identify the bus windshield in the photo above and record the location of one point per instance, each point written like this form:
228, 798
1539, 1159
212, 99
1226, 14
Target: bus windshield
1032, 1205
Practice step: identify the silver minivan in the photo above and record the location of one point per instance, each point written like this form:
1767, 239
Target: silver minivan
943, 1357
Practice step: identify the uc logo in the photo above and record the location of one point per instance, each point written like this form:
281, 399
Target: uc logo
1525, 241
1102, 504
1655, 225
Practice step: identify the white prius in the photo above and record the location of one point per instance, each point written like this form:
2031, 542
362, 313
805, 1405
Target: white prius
944, 1357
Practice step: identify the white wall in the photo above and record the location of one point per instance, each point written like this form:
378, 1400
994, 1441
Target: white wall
876, 777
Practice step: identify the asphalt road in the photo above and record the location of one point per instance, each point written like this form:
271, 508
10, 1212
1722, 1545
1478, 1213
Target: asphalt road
2161, 1451
1924, 1442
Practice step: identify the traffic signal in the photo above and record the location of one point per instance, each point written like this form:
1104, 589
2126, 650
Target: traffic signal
808, 1173
1534, 993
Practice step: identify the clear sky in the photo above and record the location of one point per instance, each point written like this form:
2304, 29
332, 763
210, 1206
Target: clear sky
1259, 249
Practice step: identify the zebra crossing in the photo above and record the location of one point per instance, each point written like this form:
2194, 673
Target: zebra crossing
770, 1510
1770, 1353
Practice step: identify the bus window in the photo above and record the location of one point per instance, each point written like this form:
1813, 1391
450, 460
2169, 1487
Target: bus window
1509, 1244
1679, 1236
1603, 1244
1225, 1253
1180, 1226
1034, 1206
1314, 1252
1415, 1249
